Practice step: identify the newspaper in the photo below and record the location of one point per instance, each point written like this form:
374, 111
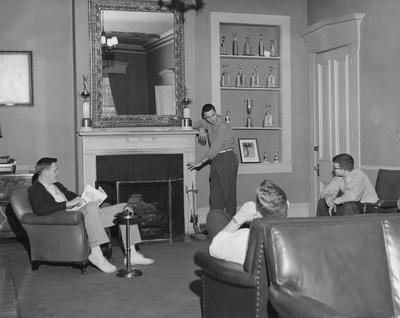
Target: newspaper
90, 194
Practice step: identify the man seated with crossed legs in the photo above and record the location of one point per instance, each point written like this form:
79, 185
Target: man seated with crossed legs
48, 196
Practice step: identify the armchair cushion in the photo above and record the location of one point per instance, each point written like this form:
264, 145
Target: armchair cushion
58, 218
292, 304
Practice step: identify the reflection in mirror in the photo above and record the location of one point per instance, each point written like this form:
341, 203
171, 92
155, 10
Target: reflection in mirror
137, 64
138, 72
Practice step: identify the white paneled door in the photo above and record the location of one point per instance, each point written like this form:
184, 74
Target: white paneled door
336, 112
333, 47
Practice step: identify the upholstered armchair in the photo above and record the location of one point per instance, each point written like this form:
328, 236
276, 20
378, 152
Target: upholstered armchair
55, 238
387, 188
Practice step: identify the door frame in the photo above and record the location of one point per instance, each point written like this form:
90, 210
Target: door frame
323, 36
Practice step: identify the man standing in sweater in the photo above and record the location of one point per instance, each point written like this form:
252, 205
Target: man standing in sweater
224, 163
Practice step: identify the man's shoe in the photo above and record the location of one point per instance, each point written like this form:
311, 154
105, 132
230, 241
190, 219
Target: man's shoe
102, 264
139, 259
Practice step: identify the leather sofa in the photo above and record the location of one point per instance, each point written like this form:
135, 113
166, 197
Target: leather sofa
309, 267
55, 238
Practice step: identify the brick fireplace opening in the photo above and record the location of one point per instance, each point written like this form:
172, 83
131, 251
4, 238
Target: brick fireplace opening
153, 184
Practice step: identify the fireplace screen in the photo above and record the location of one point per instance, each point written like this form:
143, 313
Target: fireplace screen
156, 203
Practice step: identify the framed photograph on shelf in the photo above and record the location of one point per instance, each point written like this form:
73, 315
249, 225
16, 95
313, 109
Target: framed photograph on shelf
249, 150
16, 87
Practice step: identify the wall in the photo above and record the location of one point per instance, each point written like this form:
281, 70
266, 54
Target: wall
47, 128
57, 32
198, 78
379, 75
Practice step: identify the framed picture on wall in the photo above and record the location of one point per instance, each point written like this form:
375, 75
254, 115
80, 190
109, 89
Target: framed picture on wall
16, 86
249, 150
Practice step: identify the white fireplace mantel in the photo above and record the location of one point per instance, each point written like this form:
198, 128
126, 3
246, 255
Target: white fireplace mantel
147, 140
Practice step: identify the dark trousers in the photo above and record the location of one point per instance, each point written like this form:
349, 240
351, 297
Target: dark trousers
217, 219
223, 174
347, 208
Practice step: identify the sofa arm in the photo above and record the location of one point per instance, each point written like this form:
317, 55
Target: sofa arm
225, 271
58, 218
291, 304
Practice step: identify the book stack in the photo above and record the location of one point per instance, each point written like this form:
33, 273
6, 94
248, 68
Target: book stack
7, 165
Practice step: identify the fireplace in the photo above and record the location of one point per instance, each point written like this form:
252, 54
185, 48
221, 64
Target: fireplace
152, 184
130, 150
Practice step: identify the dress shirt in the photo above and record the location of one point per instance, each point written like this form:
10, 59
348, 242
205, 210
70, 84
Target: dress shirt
230, 246
220, 136
355, 187
55, 192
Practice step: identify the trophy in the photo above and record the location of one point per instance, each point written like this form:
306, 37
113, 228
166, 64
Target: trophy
276, 157
240, 79
86, 121
225, 77
249, 105
268, 116
271, 79
227, 117
260, 45
265, 158
235, 47
223, 46
272, 48
247, 46
255, 79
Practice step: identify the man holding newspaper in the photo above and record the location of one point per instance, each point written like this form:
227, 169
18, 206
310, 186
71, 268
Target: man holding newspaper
48, 196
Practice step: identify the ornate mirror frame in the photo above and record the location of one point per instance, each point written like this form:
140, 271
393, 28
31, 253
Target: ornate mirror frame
99, 121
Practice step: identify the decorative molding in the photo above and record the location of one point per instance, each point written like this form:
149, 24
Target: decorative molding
131, 141
100, 121
376, 168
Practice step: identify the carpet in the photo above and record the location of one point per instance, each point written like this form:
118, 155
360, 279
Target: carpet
169, 288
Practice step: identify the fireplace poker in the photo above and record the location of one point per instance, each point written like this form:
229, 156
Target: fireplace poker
194, 217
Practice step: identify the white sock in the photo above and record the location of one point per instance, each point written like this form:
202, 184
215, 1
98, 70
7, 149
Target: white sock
96, 252
134, 252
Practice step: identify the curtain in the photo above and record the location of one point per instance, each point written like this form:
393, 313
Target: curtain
118, 91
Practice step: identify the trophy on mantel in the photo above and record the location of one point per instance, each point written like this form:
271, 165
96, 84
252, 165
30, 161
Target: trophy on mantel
249, 105
86, 120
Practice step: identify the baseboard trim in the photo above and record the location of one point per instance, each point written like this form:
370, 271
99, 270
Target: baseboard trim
301, 209
376, 168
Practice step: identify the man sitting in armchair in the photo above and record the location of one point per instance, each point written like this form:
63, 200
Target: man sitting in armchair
48, 196
348, 189
230, 242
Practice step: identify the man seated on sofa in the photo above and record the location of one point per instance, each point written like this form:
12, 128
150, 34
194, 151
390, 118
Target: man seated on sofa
347, 191
230, 243
48, 196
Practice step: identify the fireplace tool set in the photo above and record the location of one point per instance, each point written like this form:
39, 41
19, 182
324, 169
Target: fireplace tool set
194, 217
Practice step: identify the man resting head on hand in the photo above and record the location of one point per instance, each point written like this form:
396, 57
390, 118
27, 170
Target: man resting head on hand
231, 242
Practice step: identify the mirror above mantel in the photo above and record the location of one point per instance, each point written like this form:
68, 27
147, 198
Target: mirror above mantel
137, 64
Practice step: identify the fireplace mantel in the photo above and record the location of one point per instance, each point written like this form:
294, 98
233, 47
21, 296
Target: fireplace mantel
143, 140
